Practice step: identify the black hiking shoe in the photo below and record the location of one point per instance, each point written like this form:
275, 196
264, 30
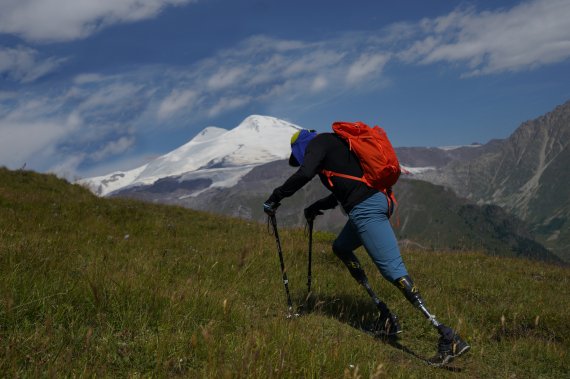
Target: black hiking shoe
448, 349
387, 325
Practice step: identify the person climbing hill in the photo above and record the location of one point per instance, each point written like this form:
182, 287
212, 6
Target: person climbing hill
333, 158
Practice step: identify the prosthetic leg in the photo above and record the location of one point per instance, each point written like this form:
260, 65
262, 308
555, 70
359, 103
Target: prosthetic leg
450, 345
411, 292
387, 323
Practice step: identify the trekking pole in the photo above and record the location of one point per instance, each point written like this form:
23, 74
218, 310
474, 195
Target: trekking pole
310, 256
284, 273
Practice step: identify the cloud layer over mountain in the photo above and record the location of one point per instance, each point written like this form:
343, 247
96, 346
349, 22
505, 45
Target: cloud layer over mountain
74, 125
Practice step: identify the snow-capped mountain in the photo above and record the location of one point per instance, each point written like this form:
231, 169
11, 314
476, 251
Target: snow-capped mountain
218, 155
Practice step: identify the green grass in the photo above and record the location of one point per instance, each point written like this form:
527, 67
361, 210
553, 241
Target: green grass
95, 287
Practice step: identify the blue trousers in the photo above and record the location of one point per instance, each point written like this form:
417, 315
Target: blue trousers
368, 225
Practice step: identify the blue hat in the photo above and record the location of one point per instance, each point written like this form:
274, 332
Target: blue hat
299, 142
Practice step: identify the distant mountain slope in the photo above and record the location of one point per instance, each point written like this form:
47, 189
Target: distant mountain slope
436, 218
437, 157
528, 175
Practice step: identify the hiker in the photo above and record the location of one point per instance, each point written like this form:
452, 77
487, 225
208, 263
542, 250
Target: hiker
368, 224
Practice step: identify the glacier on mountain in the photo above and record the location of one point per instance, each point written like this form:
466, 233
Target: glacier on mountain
222, 155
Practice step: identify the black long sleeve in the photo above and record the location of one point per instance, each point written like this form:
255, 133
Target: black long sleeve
314, 154
325, 203
328, 151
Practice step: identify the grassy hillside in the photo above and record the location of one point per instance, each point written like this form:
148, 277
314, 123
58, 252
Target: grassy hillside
118, 288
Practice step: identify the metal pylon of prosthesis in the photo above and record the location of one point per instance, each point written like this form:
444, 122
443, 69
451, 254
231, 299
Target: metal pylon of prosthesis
431, 318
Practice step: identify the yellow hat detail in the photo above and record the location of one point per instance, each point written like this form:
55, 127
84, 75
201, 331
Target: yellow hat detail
295, 136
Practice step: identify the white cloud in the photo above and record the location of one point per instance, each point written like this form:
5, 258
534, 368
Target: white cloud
29, 111
313, 62
21, 64
225, 77
176, 101
319, 83
259, 69
419, 49
113, 148
270, 70
367, 65
88, 78
64, 129
65, 20
113, 95
260, 43
5, 95
227, 104
529, 35
22, 142
67, 167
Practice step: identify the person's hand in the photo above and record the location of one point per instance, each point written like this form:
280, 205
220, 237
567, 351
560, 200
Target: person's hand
311, 213
270, 207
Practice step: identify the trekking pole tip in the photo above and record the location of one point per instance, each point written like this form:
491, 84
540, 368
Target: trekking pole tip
291, 314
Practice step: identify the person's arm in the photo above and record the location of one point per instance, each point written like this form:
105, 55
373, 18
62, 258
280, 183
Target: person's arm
315, 209
314, 155
325, 203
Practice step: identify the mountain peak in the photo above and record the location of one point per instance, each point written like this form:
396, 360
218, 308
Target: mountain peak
209, 133
258, 122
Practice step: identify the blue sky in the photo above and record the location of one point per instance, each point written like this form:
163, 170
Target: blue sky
88, 87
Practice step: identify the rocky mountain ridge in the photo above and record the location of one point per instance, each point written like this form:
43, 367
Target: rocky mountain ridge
527, 174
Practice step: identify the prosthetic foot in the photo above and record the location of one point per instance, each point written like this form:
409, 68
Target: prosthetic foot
450, 345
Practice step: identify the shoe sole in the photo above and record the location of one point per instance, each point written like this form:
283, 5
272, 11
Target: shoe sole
464, 350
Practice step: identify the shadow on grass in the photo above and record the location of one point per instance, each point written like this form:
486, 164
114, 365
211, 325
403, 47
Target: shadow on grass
359, 313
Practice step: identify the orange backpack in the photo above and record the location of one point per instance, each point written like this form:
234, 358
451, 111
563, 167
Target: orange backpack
375, 152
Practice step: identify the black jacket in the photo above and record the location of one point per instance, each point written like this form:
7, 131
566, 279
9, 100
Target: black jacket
330, 152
